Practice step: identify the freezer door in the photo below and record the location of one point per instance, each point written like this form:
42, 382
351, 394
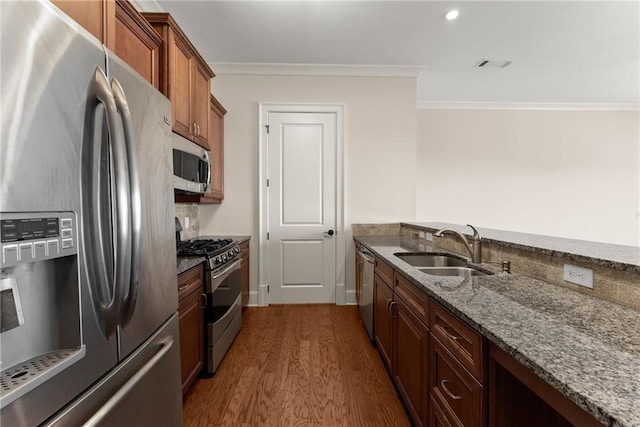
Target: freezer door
144, 390
49, 115
152, 293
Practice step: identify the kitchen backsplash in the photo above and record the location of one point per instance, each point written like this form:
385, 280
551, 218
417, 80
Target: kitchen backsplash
187, 213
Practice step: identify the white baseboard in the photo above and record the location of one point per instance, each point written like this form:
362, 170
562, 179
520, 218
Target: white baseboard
351, 297
253, 299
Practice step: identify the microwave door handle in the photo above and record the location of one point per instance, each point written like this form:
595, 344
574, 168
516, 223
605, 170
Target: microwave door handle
207, 159
130, 298
107, 311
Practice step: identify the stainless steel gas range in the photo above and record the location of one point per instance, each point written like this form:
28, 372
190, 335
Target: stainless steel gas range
223, 311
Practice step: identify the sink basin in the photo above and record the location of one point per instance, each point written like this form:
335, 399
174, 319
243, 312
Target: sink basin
431, 259
453, 271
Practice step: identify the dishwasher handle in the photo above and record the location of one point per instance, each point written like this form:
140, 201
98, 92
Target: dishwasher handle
366, 256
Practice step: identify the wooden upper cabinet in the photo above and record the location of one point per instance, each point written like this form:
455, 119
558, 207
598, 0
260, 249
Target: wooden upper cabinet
120, 27
216, 143
97, 17
185, 78
201, 91
137, 43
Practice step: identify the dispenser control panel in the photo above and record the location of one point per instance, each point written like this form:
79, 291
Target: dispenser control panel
37, 236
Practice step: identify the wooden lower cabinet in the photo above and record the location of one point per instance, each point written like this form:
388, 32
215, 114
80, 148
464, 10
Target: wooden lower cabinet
383, 322
403, 343
244, 272
458, 393
191, 324
411, 370
437, 418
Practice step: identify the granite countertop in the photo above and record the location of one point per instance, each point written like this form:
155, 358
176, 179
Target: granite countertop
614, 256
586, 348
185, 263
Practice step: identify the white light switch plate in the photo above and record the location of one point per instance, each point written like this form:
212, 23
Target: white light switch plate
578, 275
186, 222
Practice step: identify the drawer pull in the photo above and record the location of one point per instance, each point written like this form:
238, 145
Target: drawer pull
452, 336
183, 287
443, 384
206, 301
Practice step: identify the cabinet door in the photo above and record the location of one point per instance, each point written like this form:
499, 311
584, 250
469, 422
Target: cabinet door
383, 322
411, 342
458, 393
244, 273
137, 43
191, 338
180, 86
200, 92
97, 17
216, 145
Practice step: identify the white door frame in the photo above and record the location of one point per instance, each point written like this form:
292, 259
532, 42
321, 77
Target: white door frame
263, 115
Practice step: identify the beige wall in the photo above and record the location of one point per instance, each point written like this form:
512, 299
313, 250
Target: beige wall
572, 174
379, 150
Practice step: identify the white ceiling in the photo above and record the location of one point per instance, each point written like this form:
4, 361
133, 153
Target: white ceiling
578, 52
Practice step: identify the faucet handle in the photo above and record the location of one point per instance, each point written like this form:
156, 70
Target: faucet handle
476, 235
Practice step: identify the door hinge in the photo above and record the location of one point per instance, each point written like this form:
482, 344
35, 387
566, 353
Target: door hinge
267, 235
267, 126
268, 288
267, 182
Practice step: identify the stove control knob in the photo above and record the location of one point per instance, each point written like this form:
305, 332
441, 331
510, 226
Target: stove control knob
231, 254
237, 250
218, 260
224, 257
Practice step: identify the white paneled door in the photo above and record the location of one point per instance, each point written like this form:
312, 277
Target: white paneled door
301, 207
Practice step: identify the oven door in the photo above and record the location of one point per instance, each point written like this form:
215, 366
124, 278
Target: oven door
223, 289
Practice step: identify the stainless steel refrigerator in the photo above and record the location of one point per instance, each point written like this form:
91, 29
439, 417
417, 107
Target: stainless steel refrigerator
89, 330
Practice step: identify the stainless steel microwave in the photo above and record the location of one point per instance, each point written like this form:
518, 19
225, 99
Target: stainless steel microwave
191, 166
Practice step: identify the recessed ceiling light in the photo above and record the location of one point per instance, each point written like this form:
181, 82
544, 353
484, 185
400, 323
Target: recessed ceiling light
452, 14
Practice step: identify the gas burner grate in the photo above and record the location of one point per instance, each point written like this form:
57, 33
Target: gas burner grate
202, 247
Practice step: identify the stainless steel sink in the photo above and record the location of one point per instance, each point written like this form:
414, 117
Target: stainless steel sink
454, 271
431, 259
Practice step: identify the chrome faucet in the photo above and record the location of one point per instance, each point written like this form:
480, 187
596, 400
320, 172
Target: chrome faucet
475, 248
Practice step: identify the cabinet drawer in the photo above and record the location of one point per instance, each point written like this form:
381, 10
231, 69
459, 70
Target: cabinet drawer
385, 271
437, 418
190, 281
457, 392
464, 343
244, 247
417, 301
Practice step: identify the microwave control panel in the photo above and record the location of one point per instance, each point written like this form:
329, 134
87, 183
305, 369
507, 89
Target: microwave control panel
37, 236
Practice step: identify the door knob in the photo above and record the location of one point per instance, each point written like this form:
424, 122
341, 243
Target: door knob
329, 233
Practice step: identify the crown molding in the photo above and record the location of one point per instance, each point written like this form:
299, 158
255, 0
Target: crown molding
315, 70
548, 106
147, 6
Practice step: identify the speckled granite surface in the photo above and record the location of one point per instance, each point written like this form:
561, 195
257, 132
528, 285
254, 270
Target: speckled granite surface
586, 348
613, 256
185, 263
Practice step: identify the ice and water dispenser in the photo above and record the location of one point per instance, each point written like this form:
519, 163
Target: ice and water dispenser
40, 313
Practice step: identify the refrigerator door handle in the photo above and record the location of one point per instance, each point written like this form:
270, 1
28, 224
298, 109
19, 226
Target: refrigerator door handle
109, 311
96, 419
130, 297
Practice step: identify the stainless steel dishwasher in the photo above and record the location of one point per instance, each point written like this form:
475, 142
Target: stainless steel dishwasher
365, 305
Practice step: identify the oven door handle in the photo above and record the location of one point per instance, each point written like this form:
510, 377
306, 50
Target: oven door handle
219, 277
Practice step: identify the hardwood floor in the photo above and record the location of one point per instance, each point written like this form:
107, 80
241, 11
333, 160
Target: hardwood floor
297, 365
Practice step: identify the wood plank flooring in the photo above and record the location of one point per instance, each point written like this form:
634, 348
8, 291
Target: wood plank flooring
297, 365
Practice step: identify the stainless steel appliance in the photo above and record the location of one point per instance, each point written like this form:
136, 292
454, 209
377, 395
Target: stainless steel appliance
88, 274
191, 166
223, 312
365, 304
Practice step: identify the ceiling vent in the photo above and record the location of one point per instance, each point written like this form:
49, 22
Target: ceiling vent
490, 63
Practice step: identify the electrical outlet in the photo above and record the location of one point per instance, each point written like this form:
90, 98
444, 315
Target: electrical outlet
429, 237
578, 275
186, 222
